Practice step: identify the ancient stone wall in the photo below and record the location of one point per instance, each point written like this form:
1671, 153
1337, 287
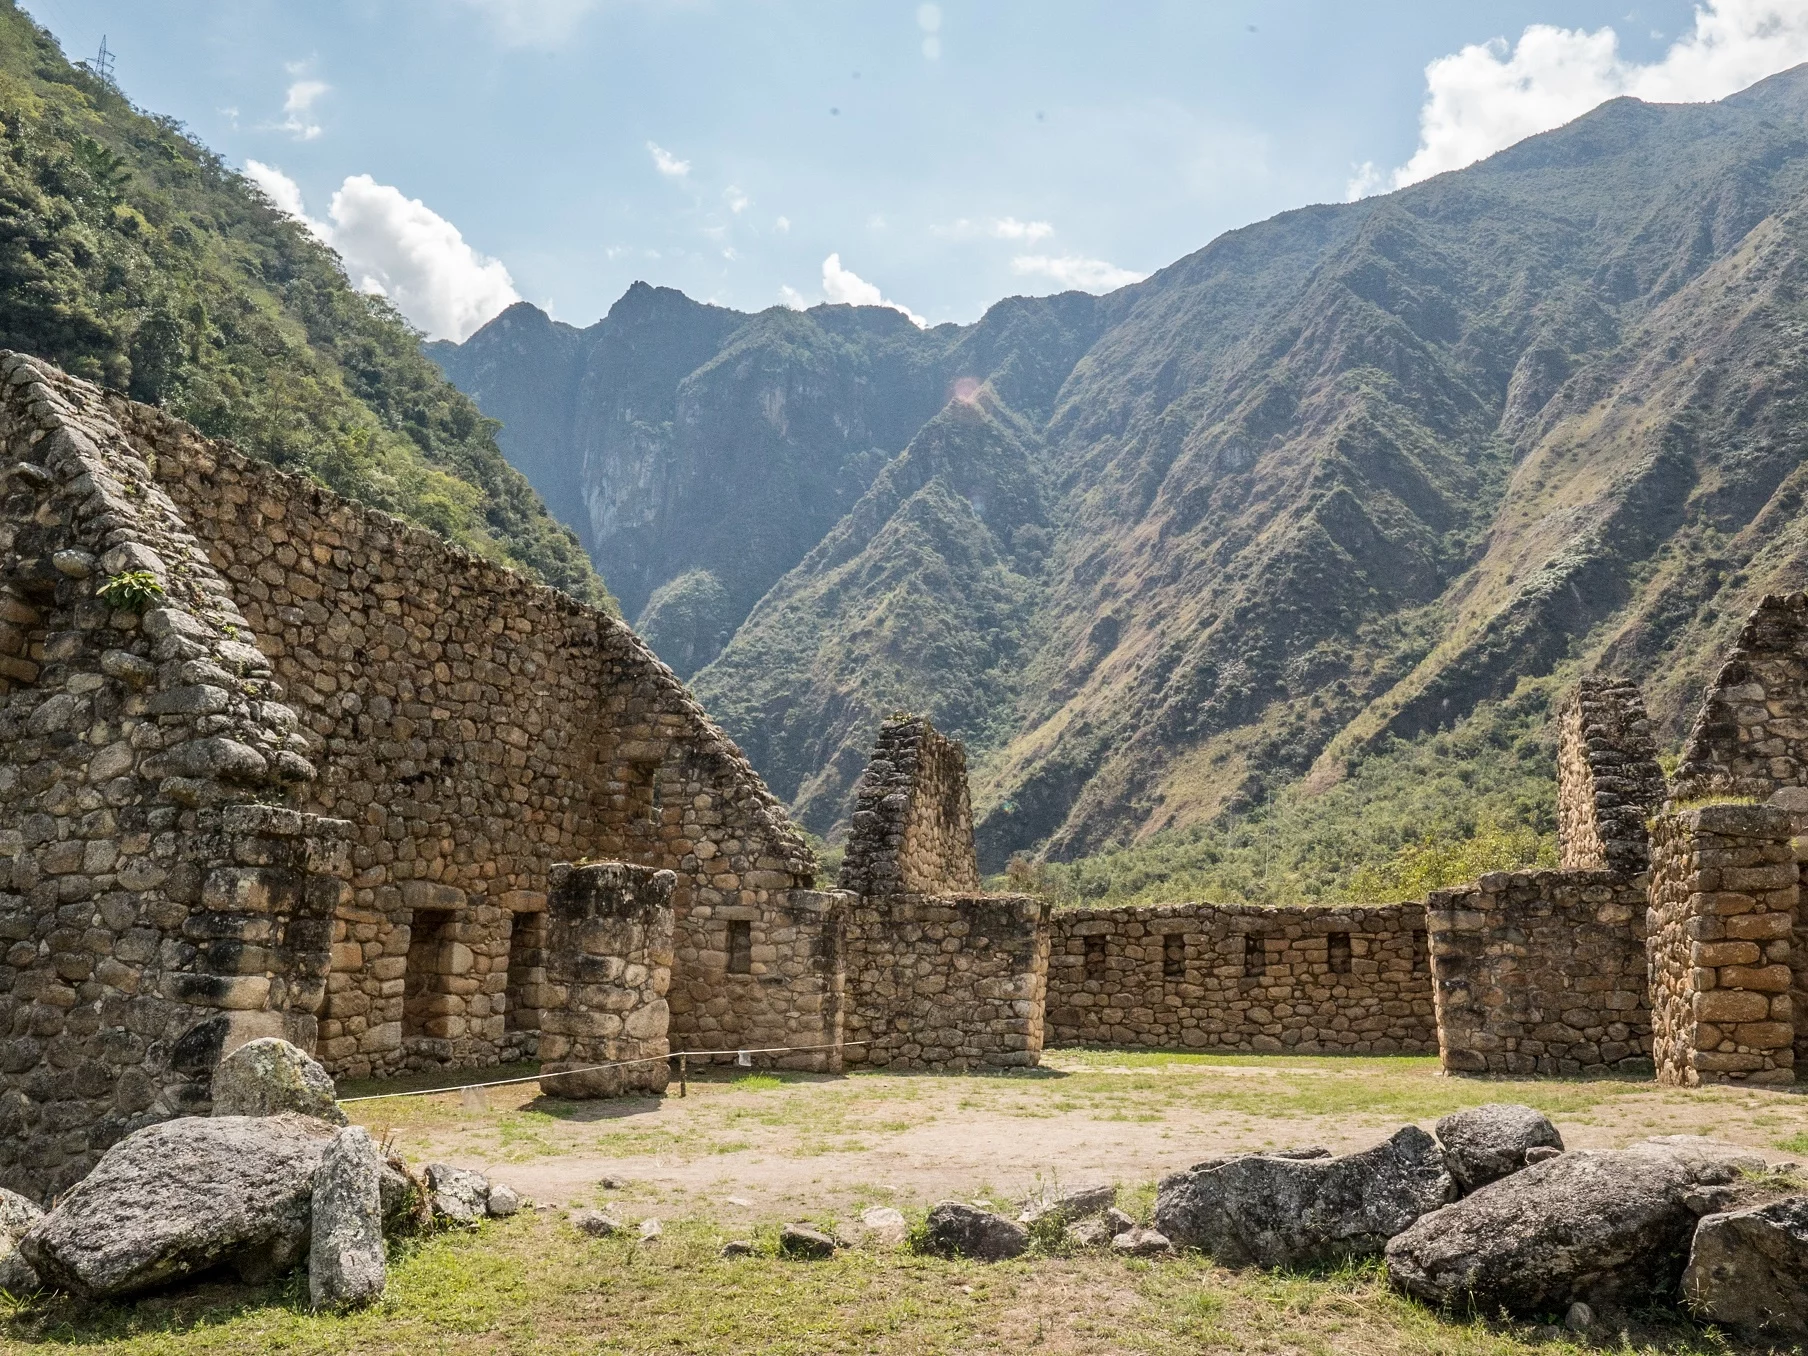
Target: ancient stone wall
912, 828
1608, 780
608, 966
1352, 979
475, 729
1541, 972
154, 915
1723, 913
1750, 737
946, 981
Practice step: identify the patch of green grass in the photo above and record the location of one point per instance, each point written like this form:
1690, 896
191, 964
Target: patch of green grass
1795, 1144
757, 1082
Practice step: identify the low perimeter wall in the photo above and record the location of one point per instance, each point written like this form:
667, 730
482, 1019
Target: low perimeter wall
1349, 980
1542, 972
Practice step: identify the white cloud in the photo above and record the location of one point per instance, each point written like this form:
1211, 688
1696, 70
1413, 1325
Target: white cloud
298, 107
1365, 180
400, 248
737, 201
667, 163
843, 286
1088, 275
929, 19
783, 223
1009, 228
533, 23
792, 298
1489, 95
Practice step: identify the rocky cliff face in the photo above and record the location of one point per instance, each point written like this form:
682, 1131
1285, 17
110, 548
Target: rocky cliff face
1336, 478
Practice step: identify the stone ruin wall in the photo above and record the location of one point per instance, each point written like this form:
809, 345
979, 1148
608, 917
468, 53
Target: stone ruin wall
912, 828
1352, 979
152, 912
1541, 972
1723, 908
1608, 780
476, 729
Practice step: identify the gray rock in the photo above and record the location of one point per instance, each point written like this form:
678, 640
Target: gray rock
1748, 1269
1139, 1242
651, 1231
1116, 1221
16, 1216
884, 1224
596, 1223
268, 1076
345, 1249
799, 1240
459, 1195
182, 1197
1579, 1317
737, 1247
1092, 1232
957, 1229
1539, 1152
1485, 1143
503, 1201
1606, 1227
1270, 1211
1067, 1206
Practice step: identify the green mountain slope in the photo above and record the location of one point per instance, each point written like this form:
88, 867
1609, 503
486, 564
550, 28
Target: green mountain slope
1337, 503
131, 255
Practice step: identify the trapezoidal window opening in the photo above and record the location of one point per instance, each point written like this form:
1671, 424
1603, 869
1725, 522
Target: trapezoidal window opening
1421, 953
1337, 952
1095, 955
740, 946
526, 973
1173, 955
424, 993
1255, 955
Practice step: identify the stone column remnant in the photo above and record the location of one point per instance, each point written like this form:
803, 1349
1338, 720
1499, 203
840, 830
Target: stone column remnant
1608, 780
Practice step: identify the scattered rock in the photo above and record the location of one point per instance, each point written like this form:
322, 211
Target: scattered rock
884, 1224
651, 1231
1485, 1143
1094, 1232
798, 1240
503, 1201
1272, 1211
16, 1216
1607, 1227
182, 1197
1140, 1242
1538, 1153
960, 1230
345, 1249
406, 1208
1748, 1269
596, 1223
1117, 1221
611, 1184
459, 1195
1579, 1318
266, 1077
1068, 1206
737, 1247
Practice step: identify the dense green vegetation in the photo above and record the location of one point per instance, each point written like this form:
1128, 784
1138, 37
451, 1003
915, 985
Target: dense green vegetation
133, 256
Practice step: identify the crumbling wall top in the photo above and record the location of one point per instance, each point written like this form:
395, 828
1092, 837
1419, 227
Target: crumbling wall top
1608, 780
1750, 737
912, 830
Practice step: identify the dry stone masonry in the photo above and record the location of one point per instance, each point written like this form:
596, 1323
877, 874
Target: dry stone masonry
1608, 780
912, 829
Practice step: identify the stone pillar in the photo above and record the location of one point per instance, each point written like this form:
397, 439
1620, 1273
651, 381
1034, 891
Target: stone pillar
912, 829
1608, 780
608, 965
1723, 909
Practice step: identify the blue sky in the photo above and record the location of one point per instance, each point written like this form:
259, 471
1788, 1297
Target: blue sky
937, 156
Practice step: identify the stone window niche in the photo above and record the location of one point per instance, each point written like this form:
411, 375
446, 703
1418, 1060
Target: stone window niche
1173, 955
1337, 952
526, 975
1421, 953
423, 981
1095, 957
1255, 955
740, 946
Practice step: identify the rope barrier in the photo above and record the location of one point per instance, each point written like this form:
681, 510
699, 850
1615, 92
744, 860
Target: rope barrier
593, 1068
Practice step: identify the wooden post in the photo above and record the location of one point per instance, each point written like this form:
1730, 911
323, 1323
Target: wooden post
684, 1076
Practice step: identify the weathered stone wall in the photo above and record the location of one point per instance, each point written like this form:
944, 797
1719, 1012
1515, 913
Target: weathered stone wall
946, 981
475, 729
912, 829
1608, 780
1541, 972
608, 966
1351, 979
1750, 737
153, 915
1723, 913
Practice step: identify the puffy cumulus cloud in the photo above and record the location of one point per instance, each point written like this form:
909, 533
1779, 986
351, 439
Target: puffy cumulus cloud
667, 163
398, 247
1009, 228
298, 108
792, 298
1071, 271
1489, 95
737, 201
843, 286
533, 23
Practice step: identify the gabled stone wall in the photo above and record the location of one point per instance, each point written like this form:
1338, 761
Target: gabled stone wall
1608, 780
1750, 737
912, 829
1350, 979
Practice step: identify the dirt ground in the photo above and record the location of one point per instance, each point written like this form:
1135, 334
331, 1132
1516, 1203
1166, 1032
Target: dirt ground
761, 1146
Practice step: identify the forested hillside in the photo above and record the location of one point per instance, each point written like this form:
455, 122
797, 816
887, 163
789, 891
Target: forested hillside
1340, 501
131, 255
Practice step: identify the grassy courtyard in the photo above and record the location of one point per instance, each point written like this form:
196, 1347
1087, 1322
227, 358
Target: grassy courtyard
741, 1154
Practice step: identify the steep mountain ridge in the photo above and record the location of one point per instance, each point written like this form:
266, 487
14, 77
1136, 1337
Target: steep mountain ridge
1326, 484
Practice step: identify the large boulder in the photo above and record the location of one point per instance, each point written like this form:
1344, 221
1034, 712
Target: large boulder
1748, 1269
345, 1249
183, 1197
956, 1229
1266, 1210
16, 1216
1486, 1143
267, 1077
1603, 1227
